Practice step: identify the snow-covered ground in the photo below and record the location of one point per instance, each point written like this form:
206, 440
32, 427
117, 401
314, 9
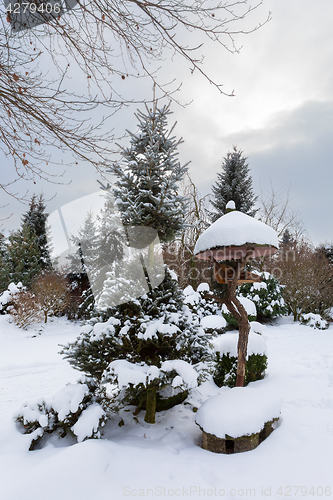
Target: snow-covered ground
164, 460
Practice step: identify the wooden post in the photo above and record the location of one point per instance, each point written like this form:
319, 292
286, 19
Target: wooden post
150, 405
238, 311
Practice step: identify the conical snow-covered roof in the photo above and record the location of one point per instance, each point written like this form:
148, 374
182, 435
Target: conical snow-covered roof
233, 234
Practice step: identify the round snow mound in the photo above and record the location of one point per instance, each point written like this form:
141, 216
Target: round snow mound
240, 411
213, 322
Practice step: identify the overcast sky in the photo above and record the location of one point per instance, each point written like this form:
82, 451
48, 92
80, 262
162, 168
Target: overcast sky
281, 115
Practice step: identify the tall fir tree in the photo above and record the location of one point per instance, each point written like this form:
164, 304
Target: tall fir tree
233, 183
148, 179
23, 256
4, 270
35, 218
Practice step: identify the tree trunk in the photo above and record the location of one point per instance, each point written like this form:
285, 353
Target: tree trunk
238, 311
150, 405
244, 330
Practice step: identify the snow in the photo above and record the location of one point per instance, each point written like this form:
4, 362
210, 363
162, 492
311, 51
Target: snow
12, 289
203, 287
88, 422
230, 205
135, 374
227, 343
165, 459
184, 370
236, 229
239, 412
154, 326
67, 400
213, 321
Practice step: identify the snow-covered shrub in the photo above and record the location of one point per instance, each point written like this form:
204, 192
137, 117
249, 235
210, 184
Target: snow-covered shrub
314, 320
266, 295
146, 333
76, 411
204, 308
7, 296
225, 373
249, 307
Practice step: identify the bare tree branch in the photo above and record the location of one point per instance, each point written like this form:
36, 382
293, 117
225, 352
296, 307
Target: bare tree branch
102, 43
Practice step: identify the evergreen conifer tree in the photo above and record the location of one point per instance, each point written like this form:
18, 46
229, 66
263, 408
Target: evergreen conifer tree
4, 271
233, 183
35, 219
147, 185
23, 256
149, 342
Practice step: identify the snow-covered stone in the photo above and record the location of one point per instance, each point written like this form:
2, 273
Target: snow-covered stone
238, 412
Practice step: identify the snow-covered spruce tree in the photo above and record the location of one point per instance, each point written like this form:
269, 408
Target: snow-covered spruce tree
145, 346
35, 218
148, 343
233, 183
4, 271
148, 178
23, 256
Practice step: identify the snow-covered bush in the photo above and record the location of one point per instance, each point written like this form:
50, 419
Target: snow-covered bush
22, 305
6, 297
225, 373
206, 309
249, 307
75, 412
314, 320
146, 333
266, 295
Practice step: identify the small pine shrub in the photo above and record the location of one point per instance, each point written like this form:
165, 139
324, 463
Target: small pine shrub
314, 320
225, 373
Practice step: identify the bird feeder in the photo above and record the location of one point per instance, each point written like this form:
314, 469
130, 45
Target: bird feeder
231, 242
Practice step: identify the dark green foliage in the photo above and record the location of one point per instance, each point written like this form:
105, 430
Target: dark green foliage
23, 256
35, 218
4, 269
225, 373
266, 295
233, 183
147, 185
